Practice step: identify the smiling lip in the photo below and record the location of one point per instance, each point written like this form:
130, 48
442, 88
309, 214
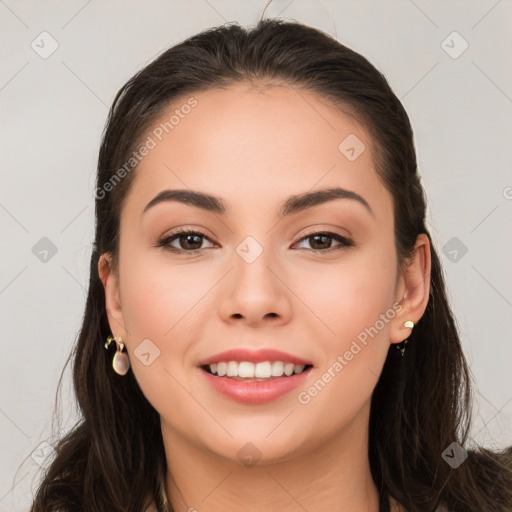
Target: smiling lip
254, 356
254, 392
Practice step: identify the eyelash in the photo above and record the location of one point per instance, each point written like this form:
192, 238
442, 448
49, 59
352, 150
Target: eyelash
165, 242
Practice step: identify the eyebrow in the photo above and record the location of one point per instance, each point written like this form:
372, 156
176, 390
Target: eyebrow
293, 204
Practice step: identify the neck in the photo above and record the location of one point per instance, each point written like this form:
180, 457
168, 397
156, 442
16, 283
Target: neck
334, 475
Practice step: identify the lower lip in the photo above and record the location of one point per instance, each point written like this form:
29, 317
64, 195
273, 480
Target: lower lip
255, 392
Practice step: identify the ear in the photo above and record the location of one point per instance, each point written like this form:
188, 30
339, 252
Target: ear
413, 289
110, 281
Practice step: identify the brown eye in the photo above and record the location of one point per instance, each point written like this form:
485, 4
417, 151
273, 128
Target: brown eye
190, 242
187, 241
321, 242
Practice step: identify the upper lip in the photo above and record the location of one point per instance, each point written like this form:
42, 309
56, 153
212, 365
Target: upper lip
254, 356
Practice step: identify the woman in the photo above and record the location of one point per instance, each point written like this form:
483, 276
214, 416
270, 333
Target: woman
267, 326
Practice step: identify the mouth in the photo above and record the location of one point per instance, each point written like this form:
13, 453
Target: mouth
251, 383
247, 371
254, 377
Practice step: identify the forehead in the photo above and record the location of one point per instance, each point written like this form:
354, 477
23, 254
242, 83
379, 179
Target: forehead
248, 142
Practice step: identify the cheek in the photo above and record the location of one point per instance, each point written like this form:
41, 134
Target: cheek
350, 297
161, 303
355, 303
168, 304
159, 296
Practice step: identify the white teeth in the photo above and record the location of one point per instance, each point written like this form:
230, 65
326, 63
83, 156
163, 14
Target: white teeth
221, 369
263, 370
277, 368
232, 369
288, 369
248, 370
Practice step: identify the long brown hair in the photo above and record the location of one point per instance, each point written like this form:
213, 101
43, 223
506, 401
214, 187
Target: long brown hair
114, 459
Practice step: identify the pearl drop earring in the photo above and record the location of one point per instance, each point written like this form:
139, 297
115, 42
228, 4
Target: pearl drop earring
120, 361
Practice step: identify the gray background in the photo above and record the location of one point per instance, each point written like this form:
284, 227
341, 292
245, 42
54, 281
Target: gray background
53, 112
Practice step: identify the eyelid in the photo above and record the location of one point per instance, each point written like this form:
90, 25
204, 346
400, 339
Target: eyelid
187, 230
327, 231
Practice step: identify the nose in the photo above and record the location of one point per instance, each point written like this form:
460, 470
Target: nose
255, 293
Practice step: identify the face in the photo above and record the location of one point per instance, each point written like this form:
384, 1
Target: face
318, 284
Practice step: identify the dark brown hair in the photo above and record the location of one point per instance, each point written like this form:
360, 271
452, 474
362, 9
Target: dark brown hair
114, 459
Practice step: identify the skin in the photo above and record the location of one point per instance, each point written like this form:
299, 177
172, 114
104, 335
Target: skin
254, 147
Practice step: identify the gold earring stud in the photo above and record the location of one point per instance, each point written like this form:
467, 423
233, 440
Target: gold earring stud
409, 324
